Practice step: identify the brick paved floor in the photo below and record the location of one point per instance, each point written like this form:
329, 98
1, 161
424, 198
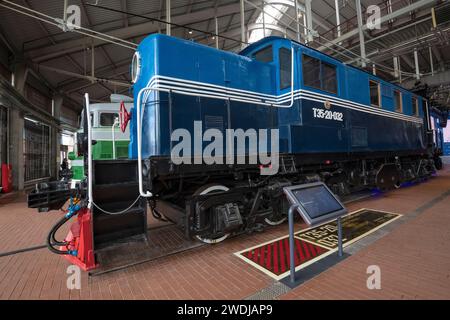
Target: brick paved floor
414, 259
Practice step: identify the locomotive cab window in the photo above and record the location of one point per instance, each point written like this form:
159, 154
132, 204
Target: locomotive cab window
311, 72
107, 119
398, 101
318, 74
415, 106
285, 68
374, 93
329, 82
264, 55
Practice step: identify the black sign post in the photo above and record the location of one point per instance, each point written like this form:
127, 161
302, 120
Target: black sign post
292, 209
339, 226
316, 204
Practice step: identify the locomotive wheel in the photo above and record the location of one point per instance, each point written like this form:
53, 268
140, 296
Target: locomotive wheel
212, 187
276, 218
274, 223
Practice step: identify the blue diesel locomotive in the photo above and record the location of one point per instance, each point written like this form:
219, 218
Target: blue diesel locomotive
336, 123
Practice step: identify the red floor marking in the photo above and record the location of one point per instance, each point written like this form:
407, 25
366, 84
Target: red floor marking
307, 254
297, 255
261, 256
282, 256
256, 253
288, 253
269, 258
312, 250
275, 257
319, 250
299, 248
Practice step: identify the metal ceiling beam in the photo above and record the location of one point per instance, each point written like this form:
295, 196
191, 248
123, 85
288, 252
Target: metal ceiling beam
8, 44
89, 83
83, 83
376, 39
124, 16
32, 70
338, 17
242, 16
439, 58
316, 18
168, 18
408, 61
89, 24
309, 20
75, 45
50, 36
82, 76
436, 80
412, 7
104, 72
362, 44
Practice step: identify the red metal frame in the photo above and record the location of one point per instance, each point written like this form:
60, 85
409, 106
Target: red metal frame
80, 238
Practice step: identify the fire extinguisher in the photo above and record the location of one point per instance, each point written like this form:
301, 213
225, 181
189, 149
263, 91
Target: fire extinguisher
6, 178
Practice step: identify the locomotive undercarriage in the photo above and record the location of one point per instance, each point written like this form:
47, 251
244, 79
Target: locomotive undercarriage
212, 202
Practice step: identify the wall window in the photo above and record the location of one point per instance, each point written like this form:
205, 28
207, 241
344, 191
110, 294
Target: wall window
36, 150
374, 93
398, 101
107, 119
415, 106
319, 74
285, 68
264, 55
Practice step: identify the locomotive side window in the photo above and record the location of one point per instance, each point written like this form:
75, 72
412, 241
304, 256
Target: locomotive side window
319, 74
329, 82
264, 55
374, 93
415, 106
311, 72
107, 119
285, 68
398, 101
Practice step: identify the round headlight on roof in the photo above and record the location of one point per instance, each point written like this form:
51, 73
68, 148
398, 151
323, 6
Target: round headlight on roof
135, 67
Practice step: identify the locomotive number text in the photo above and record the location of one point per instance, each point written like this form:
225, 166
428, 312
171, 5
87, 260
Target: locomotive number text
328, 114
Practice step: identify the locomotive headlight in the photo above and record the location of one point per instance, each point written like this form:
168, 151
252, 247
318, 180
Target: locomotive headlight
135, 67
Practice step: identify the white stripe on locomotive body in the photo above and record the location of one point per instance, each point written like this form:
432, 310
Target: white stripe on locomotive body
208, 90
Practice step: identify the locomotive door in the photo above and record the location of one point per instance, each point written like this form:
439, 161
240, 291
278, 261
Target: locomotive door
324, 119
248, 116
288, 120
210, 112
